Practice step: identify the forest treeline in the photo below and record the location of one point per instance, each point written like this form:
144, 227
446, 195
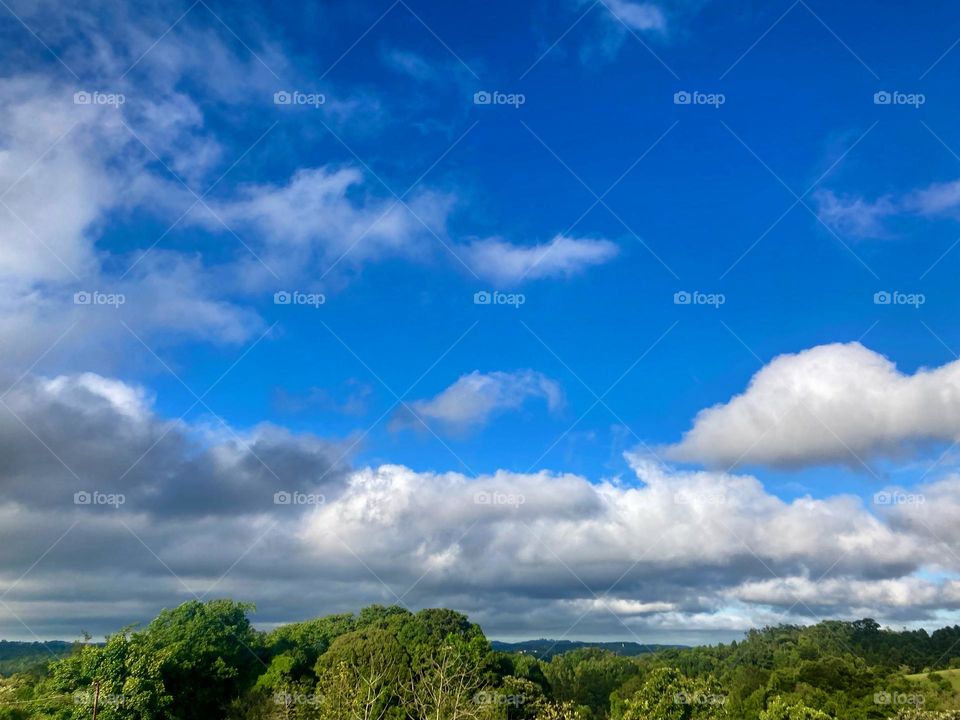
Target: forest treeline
206, 661
22, 656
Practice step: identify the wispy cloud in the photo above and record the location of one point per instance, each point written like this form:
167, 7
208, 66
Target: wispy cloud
476, 398
858, 217
563, 256
615, 20
638, 15
855, 216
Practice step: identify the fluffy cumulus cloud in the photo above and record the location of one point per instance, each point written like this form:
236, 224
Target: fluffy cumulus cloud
563, 256
657, 555
561, 532
475, 398
839, 403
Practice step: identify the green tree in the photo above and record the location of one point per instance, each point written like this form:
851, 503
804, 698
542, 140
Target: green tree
587, 677
668, 694
364, 675
779, 709
561, 711
190, 663
450, 684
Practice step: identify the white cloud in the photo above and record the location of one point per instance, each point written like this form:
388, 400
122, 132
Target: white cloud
705, 550
475, 398
638, 15
597, 528
325, 216
681, 544
616, 20
172, 297
100, 165
52, 153
504, 262
450, 74
129, 401
80, 160
103, 167
84, 161
936, 199
839, 403
929, 510
862, 218
854, 216
623, 607
906, 592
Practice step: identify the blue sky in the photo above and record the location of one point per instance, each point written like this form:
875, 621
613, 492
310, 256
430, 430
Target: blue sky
698, 200
784, 198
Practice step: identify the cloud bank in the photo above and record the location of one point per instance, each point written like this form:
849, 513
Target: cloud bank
664, 553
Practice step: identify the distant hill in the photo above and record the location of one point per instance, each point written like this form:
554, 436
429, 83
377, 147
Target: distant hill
546, 649
20, 656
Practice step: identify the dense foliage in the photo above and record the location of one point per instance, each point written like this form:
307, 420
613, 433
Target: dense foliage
546, 649
206, 661
22, 656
